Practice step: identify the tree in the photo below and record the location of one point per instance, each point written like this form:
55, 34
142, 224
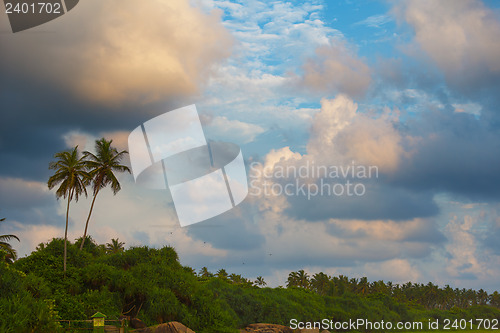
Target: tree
495, 299
298, 279
72, 179
259, 281
205, 273
320, 282
363, 285
101, 170
236, 278
10, 253
222, 274
115, 246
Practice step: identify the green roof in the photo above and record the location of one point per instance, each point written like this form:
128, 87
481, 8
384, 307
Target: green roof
98, 315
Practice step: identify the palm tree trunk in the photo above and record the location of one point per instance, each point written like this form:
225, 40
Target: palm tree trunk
66, 231
88, 219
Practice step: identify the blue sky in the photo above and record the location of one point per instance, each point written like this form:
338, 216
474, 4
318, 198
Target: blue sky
410, 87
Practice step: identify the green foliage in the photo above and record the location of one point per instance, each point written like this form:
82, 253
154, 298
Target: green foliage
103, 300
23, 307
8, 253
152, 285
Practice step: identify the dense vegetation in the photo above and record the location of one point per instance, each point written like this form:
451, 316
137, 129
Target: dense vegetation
152, 285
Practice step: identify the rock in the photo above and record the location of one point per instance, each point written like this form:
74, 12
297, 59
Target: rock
172, 327
136, 323
266, 328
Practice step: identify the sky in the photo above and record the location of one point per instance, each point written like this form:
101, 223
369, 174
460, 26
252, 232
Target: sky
409, 90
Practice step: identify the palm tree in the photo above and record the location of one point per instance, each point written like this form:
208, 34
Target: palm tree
259, 281
101, 170
236, 278
363, 285
115, 246
320, 282
222, 274
495, 299
303, 279
72, 177
292, 280
205, 273
298, 279
10, 253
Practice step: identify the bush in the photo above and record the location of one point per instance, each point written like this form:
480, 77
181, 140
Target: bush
20, 310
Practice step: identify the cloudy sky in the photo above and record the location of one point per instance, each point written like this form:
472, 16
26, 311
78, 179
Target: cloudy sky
411, 88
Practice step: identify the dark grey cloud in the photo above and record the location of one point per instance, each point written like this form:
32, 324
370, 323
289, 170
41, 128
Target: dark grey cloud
381, 201
457, 153
467, 276
36, 117
232, 230
492, 240
76, 74
27, 201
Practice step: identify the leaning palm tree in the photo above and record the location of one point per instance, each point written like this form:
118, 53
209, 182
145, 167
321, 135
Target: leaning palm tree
101, 170
72, 178
115, 246
10, 253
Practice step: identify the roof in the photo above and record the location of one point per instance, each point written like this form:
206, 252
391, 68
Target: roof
98, 315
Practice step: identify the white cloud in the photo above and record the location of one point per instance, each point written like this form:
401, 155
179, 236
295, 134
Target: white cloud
84, 141
273, 39
335, 68
471, 108
462, 248
348, 135
460, 36
31, 236
394, 270
221, 128
375, 21
102, 52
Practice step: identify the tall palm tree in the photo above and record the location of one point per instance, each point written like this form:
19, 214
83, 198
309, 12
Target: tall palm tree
101, 169
72, 177
11, 254
115, 246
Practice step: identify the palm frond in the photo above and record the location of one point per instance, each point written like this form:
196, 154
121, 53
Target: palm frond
6, 238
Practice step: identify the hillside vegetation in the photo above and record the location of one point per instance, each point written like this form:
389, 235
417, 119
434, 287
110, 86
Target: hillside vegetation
151, 284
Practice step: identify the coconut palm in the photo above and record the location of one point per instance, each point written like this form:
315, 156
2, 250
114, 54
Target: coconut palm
205, 273
320, 282
259, 281
101, 169
115, 246
10, 253
222, 274
72, 178
298, 279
